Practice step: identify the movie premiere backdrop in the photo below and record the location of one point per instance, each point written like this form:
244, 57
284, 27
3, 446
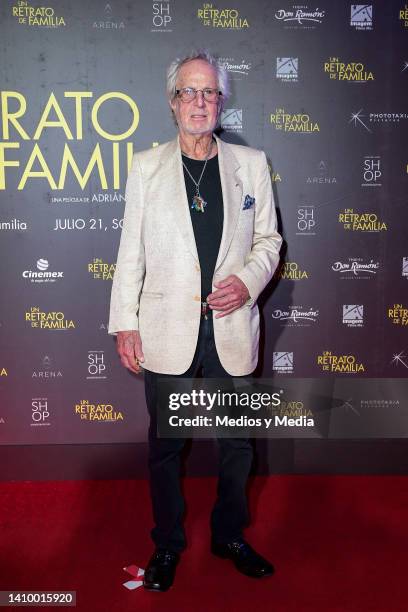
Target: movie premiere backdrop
321, 88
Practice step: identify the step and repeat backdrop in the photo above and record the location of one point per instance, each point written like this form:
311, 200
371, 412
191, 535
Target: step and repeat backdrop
321, 88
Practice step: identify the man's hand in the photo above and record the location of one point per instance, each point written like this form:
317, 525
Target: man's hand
129, 347
231, 294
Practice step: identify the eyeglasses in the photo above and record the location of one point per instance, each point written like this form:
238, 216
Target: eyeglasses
188, 94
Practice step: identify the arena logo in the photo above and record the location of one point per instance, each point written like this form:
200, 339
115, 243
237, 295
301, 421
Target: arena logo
290, 270
48, 320
352, 71
287, 69
39, 16
40, 412
108, 22
355, 268
296, 316
371, 171
228, 18
47, 372
161, 18
298, 122
231, 120
306, 221
42, 275
353, 315
96, 365
404, 270
101, 270
13, 225
345, 364
398, 314
300, 17
403, 16
97, 412
322, 178
282, 362
361, 222
361, 16
237, 70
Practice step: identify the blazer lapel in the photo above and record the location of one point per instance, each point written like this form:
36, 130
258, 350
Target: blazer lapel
232, 189
176, 196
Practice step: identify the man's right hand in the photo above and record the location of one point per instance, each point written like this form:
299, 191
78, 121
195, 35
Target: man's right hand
129, 347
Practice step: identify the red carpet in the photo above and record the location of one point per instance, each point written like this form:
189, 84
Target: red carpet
338, 544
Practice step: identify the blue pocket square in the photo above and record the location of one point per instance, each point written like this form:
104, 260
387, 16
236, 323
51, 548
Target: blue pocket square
248, 202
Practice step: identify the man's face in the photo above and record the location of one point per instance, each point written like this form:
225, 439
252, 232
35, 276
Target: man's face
197, 116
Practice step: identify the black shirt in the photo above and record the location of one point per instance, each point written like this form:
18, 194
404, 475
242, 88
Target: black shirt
207, 225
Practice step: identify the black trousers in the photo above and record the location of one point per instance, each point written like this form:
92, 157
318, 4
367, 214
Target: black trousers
230, 512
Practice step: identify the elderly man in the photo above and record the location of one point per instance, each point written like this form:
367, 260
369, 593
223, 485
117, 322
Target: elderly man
199, 244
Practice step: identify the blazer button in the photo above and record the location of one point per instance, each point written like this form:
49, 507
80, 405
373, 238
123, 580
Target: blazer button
197, 268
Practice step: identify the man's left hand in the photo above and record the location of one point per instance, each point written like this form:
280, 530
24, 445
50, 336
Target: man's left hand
230, 295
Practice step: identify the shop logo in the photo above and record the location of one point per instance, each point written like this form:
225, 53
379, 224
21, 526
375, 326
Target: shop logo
371, 171
40, 413
161, 19
96, 365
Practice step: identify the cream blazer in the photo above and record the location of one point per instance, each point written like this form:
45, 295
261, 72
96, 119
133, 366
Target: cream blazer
157, 283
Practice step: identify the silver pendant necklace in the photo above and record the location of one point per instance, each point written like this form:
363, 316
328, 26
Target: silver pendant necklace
198, 203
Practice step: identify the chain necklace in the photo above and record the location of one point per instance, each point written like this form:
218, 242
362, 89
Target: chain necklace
199, 203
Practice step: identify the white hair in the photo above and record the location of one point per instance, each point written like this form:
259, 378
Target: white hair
200, 54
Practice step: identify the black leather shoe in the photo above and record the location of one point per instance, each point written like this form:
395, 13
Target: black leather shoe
246, 560
161, 569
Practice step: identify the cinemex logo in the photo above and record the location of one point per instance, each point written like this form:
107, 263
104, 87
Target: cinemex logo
42, 275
